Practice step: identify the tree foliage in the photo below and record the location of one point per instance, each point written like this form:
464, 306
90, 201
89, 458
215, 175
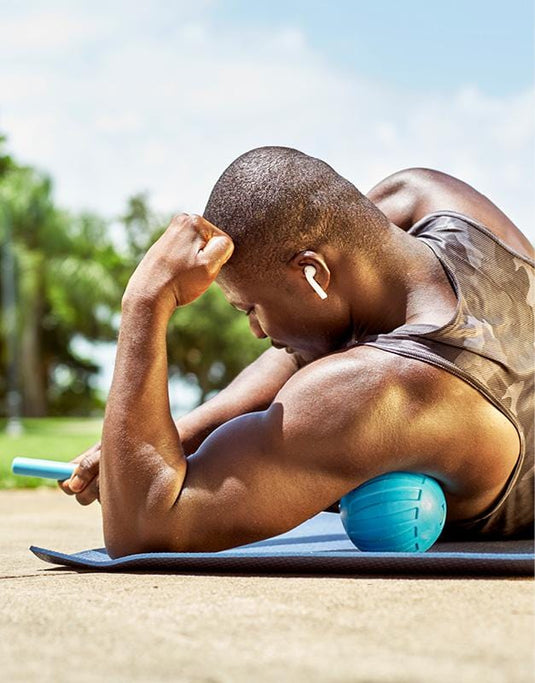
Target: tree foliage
70, 277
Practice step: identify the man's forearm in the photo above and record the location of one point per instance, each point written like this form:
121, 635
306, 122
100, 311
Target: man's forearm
142, 462
253, 389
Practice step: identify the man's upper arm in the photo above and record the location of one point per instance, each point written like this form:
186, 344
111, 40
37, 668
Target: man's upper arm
408, 195
331, 427
397, 197
412, 193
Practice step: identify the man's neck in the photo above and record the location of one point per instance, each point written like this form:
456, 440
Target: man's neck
404, 283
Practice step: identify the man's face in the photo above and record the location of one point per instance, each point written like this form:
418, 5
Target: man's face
288, 313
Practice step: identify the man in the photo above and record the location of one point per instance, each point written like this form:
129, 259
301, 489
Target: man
419, 358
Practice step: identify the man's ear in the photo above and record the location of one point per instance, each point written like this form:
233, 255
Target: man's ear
322, 274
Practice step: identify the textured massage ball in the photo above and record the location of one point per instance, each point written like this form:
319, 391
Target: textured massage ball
396, 512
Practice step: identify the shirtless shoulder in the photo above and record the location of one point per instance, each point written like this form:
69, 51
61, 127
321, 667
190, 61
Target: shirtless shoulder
408, 195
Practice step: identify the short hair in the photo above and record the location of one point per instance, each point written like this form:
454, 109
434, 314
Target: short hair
277, 201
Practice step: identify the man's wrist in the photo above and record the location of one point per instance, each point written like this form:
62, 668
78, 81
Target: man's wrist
146, 304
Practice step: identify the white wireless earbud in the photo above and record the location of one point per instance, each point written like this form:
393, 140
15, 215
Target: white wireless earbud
310, 272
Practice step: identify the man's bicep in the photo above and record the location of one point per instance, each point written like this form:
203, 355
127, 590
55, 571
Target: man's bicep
249, 480
264, 473
223, 476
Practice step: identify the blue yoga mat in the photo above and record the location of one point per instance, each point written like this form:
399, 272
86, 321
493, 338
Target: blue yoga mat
319, 546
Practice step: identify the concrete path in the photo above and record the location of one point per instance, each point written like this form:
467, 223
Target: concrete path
59, 625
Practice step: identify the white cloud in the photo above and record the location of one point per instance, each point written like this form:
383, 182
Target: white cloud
113, 102
51, 30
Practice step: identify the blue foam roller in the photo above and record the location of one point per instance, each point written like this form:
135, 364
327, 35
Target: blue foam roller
47, 469
396, 512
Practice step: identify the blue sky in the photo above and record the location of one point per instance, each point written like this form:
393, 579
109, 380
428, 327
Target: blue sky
418, 44
115, 97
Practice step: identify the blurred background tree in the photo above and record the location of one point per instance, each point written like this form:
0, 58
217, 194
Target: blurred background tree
68, 281
70, 275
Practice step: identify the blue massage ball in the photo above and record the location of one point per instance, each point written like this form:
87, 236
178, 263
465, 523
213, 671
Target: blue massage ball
396, 512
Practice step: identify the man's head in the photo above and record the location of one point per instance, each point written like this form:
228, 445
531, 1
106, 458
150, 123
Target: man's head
285, 210
277, 201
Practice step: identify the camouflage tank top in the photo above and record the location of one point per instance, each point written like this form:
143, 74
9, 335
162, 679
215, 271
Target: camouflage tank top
489, 344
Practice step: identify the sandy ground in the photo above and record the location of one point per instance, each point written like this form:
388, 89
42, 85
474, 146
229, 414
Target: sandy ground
62, 625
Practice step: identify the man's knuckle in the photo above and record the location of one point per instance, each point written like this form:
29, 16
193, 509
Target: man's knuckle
86, 466
83, 467
178, 219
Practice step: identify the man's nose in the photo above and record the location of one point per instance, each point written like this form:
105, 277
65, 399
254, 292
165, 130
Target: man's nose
255, 327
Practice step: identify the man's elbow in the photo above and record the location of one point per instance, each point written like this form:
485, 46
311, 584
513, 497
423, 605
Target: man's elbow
147, 523
121, 546
146, 530
147, 538
122, 537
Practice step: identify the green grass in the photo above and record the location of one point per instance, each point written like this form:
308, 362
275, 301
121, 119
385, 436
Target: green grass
51, 438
